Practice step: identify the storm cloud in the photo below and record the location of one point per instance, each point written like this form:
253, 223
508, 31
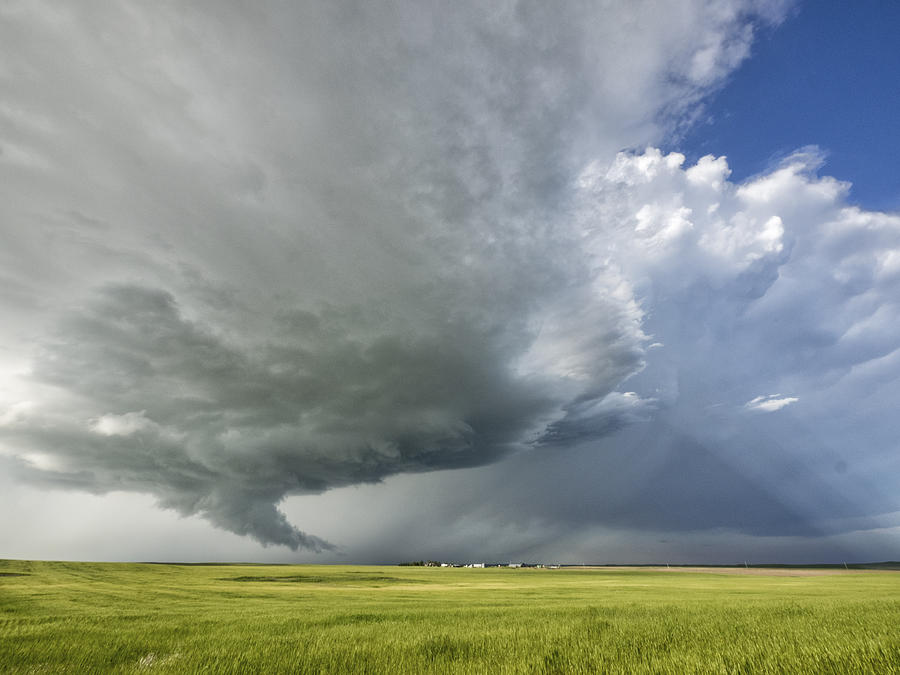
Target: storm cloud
155, 402
255, 253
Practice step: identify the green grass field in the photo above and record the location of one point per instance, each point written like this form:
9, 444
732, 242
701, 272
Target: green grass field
101, 617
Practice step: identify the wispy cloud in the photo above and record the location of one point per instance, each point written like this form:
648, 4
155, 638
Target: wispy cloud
770, 403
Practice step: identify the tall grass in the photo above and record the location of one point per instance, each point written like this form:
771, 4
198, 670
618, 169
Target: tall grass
90, 617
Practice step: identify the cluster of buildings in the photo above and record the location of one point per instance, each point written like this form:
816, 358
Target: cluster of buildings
513, 565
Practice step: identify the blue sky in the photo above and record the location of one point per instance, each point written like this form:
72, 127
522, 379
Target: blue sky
828, 76
326, 282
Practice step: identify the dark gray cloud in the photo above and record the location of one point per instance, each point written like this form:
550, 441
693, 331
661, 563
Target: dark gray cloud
148, 400
157, 403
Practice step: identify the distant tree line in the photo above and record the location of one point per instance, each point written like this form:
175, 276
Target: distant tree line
421, 563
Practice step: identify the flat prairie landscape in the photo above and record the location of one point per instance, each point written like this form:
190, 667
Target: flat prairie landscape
169, 618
